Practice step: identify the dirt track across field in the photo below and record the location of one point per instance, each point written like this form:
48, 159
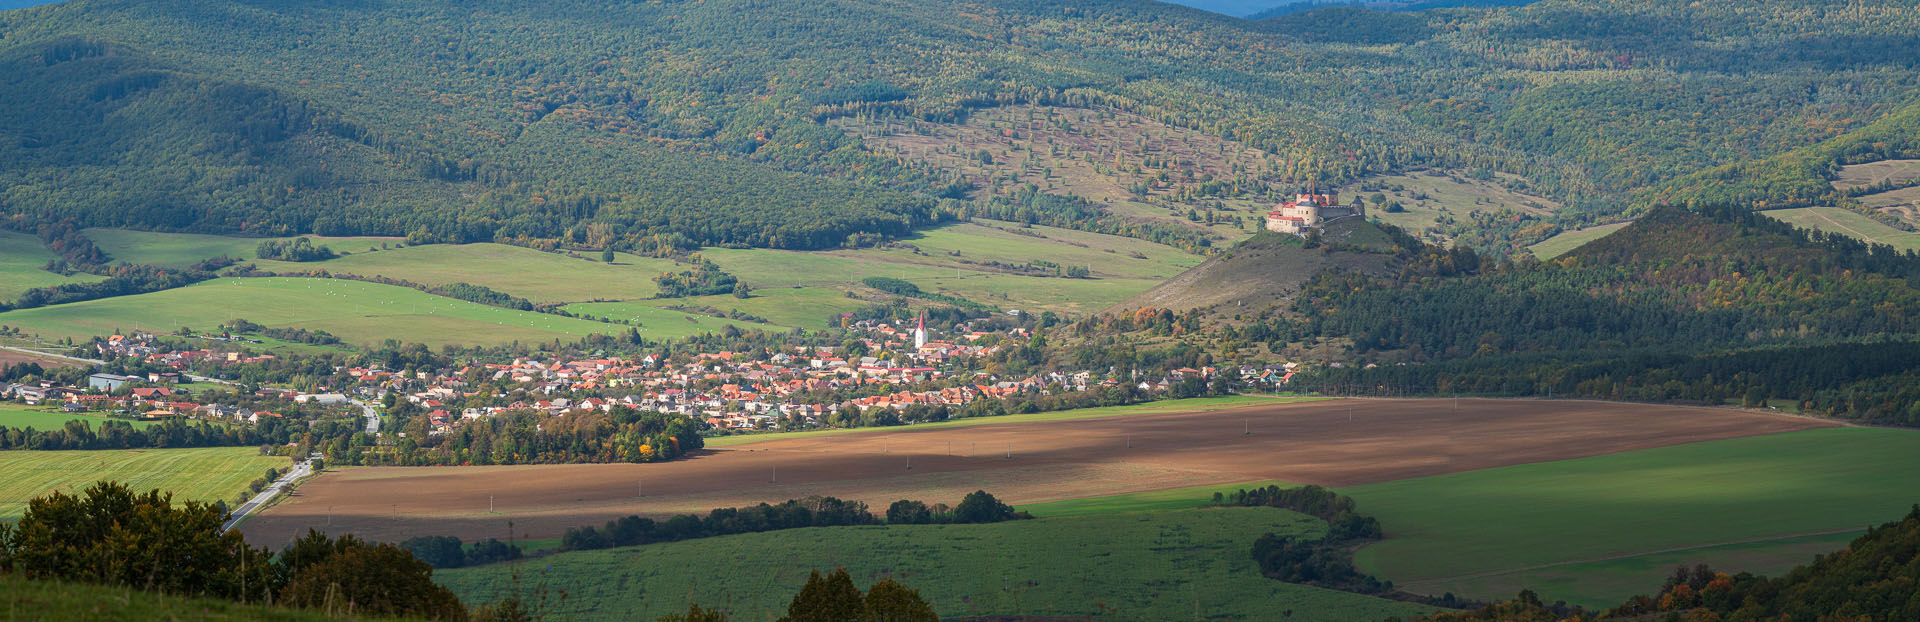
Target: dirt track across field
1333, 443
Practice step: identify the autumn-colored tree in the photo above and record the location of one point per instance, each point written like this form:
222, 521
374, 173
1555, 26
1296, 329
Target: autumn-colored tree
375, 580
889, 601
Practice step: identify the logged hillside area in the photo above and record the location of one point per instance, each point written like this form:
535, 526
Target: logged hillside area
681, 123
1270, 268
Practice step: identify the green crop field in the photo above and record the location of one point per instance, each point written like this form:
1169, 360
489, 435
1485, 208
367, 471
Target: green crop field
535, 275
179, 250
22, 258
1568, 240
357, 312
201, 474
934, 267
1198, 404
1158, 500
1129, 566
1603, 528
44, 418
1850, 224
801, 307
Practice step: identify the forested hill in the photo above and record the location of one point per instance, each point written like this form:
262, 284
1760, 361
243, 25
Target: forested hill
1699, 306
518, 121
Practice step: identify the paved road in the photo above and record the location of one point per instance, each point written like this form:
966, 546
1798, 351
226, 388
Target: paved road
373, 416
302, 469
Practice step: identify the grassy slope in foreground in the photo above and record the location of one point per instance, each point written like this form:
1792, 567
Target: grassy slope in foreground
1198, 404
1766, 492
1146, 566
200, 474
1848, 223
22, 599
357, 312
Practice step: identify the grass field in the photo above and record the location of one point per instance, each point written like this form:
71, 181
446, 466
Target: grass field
357, 312
1568, 240
1432, 195
1158, 500
1121, 267
24, 599
1600, 529
805, 307
1848, 223
1130, 566
179, 250
22, 258
1196, 405
43, 418
535, 275
1899, 172
201, 474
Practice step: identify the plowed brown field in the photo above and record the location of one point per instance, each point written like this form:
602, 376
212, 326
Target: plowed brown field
1333, 443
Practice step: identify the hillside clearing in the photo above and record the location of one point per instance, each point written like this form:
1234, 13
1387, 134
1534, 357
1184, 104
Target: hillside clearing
1566, 241
1850, 224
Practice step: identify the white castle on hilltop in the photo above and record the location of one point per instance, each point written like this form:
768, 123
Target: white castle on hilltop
1308, 211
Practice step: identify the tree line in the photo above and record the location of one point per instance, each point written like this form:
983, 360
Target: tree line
977, 507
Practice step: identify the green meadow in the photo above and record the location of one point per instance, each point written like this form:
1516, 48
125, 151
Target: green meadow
357, 312
1197, 404
1597, 530
538, 276
179, 250
1164, 565
1566, 241
787, 307
1158, 500
200, 474
22, 259
1120, 267
50, 418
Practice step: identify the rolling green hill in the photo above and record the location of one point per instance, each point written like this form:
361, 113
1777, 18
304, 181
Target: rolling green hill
1131, 565
507, 121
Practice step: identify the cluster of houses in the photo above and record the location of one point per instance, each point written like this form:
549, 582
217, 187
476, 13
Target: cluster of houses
727, 390
109, 393
142, 347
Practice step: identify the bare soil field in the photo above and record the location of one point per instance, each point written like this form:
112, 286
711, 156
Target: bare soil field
1334, 443
15, 357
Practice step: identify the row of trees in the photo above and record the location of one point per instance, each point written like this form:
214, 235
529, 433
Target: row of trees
80, 434
622, 435
977, 507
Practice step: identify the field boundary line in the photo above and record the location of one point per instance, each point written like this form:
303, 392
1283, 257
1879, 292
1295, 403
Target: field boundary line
1481, 575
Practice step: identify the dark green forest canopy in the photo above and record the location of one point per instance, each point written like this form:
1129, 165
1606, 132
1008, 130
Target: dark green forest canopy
512, 121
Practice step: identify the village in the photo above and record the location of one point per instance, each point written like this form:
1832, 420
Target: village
895, 371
